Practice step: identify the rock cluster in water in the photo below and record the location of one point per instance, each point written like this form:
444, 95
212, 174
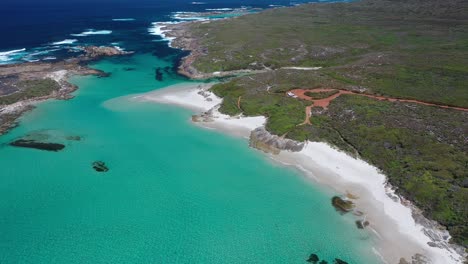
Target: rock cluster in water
100, 166
158, 73
263, 140
24, 143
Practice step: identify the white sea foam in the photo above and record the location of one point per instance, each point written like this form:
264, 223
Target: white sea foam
49, 58
10, 55
35, 54
157, 29
219, 9
198, 3
91, 32
123, 19
65, 42
192, 16
43, 52
30, 60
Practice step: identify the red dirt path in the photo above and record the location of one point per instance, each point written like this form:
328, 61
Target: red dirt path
324, 103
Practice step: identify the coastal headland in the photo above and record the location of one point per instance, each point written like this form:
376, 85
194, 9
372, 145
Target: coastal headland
393, 96
23, 85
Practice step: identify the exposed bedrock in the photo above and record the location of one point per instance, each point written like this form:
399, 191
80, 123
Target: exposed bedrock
263, 140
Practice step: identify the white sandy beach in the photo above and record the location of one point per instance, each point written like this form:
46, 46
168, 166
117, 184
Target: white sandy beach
188, 96
390, 220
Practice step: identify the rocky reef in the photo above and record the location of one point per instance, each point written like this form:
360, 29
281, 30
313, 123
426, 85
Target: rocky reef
263, 140
24, 143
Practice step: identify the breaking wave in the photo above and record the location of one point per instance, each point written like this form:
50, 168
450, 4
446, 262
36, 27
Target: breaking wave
64, 42
92, 32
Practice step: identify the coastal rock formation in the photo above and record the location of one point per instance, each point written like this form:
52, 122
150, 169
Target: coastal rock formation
341, 205
24, 143
263, 140
100, 166
416, 259
95, 51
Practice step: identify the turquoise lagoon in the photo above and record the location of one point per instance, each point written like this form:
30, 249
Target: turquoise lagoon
175, 192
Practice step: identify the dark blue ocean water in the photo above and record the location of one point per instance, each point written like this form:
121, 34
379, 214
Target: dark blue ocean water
36, 25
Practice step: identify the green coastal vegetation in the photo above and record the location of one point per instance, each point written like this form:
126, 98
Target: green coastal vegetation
28, 89
401, 49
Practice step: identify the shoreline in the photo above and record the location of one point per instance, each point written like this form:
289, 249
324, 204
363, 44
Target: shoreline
320, 162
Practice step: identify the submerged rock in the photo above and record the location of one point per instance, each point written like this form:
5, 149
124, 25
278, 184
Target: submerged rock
341, 205
323, 262
313, 258
339, 261
158, 74
100, 166
23, 143
73, 138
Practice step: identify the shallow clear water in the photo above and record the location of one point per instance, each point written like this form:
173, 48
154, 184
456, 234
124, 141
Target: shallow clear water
175, 192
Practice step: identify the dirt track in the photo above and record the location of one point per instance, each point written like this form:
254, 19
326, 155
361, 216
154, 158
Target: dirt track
325, 102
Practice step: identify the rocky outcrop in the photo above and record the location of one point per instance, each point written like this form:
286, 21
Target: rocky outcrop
437, 233
95, 51
342, 205
261, 139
